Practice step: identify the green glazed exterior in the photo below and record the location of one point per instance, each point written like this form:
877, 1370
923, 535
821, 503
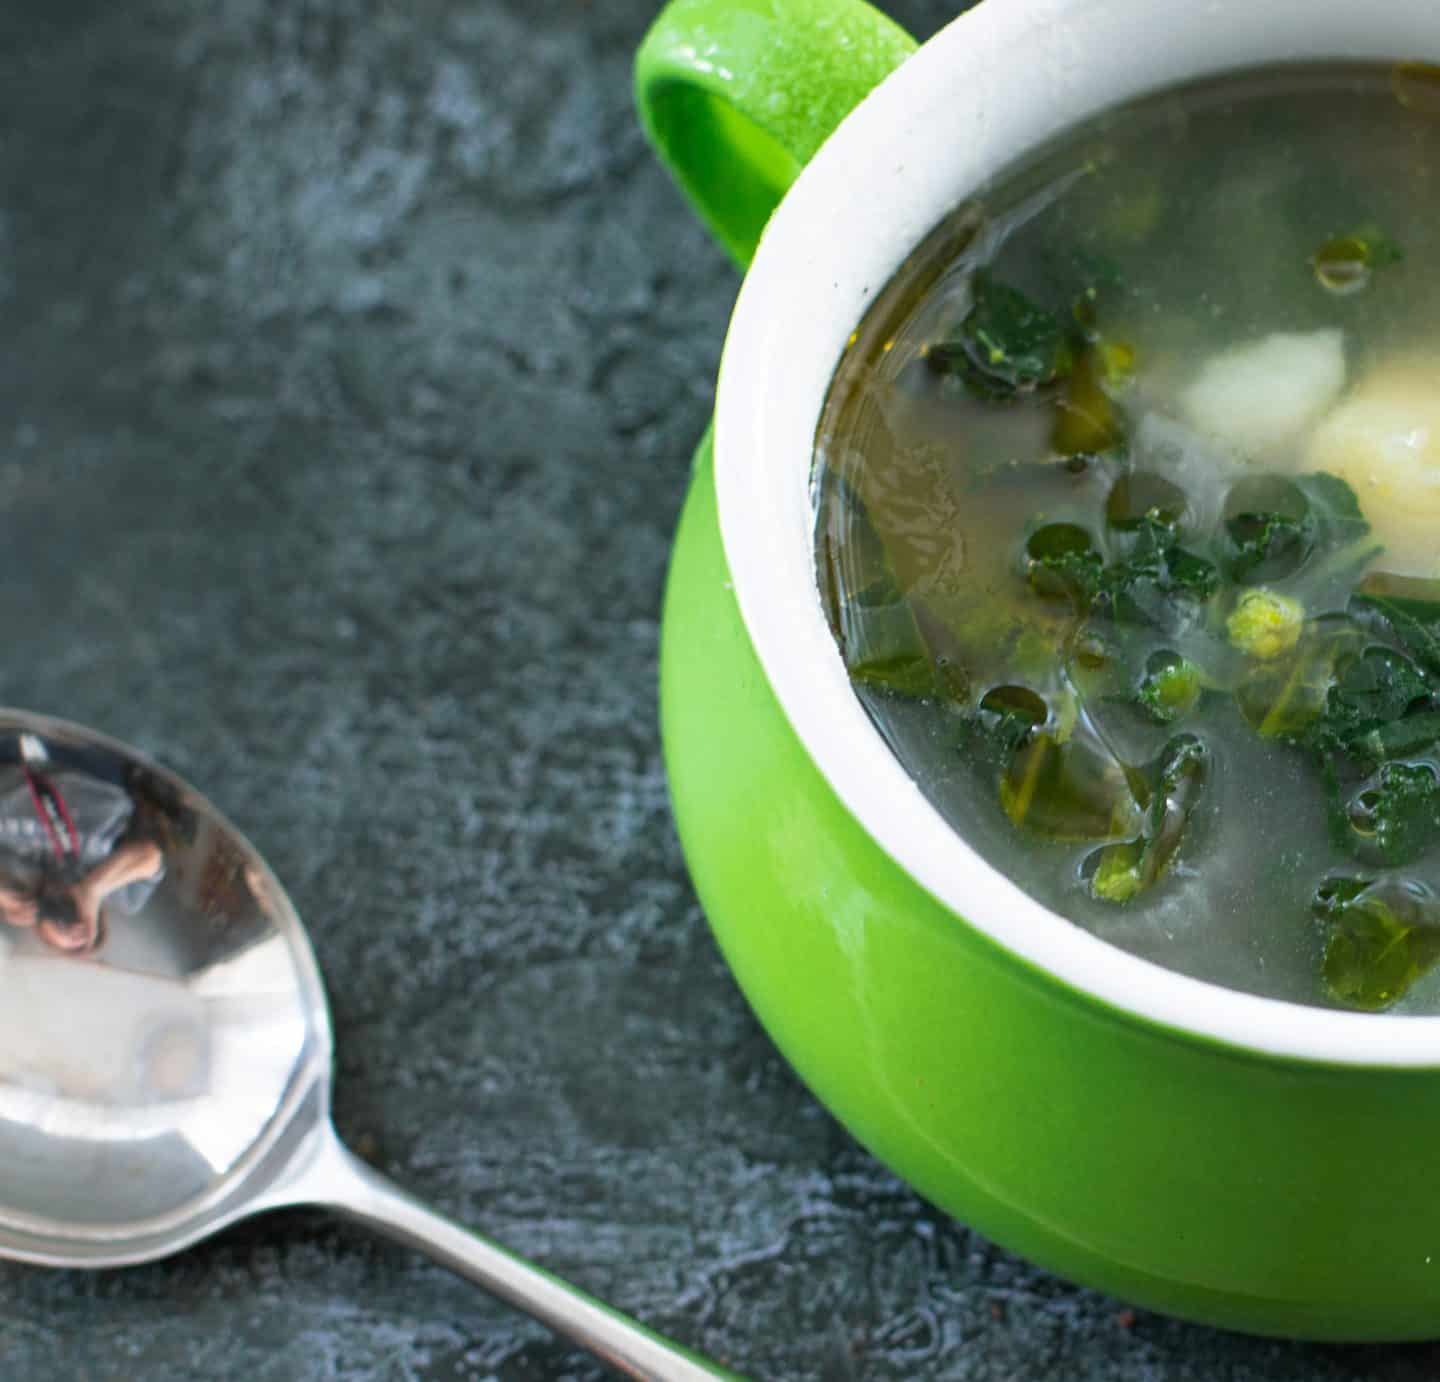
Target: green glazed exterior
1206, 1182
1210, 1182
736, 95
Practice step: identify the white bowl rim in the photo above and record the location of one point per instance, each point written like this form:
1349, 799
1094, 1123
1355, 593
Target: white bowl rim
802, 297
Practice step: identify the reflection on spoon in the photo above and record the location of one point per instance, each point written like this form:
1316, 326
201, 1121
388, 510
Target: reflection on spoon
70, 837
165, 1048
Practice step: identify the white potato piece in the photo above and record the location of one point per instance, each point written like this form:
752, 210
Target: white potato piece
1265, 394
1384, 439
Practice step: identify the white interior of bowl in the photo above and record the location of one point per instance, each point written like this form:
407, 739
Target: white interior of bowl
999, 80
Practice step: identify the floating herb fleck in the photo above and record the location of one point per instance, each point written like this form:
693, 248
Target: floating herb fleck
1344, 265
1170, 688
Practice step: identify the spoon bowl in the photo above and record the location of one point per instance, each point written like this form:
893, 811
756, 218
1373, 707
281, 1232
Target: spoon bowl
166, 1048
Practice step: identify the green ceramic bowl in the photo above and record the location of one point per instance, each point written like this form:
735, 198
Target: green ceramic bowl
1232, 1159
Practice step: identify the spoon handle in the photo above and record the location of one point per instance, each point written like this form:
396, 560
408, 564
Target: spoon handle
337, 1179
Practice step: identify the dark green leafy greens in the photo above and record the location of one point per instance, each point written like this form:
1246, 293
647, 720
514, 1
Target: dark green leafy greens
1338, 516
1268, 530
1139, 496
1381, 936
1158, 582
1006, 344
1358, 690
1171, 598
1011, 715
1408, 610
1062, 561
1368, 694
1378, 687
1361, 695
1274, 524
1416, 733
1120, 872
1151, 580
1395, 816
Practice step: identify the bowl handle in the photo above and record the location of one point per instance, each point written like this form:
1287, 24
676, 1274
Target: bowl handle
736, 96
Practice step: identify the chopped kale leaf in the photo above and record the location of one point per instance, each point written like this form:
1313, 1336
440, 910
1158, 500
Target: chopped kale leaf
1159, 583
1382, 936
1373, 690
1336, 509
1409, 610
1268, 529
1156, 584
1395, 817
1399, 739
1141, 495
1273, 525
1061, 561
1193, 576
1120, 872
1011, 714
1006, 345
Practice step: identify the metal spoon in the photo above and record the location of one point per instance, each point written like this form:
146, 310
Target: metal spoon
165, 1048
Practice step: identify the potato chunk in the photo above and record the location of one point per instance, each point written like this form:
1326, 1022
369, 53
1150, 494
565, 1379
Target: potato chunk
1384, 439
1265, 394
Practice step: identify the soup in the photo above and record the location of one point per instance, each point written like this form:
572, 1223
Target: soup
1128, 529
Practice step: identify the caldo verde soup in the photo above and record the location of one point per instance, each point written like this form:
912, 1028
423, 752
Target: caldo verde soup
1128, 497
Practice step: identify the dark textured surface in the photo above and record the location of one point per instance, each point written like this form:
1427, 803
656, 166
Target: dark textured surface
352, 357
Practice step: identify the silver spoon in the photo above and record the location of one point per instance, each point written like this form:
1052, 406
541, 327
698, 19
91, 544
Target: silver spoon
165, 1047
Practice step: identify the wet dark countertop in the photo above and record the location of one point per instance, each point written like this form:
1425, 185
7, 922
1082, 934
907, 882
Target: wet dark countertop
353, 352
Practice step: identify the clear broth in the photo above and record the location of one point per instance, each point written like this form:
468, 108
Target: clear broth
1210, 202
